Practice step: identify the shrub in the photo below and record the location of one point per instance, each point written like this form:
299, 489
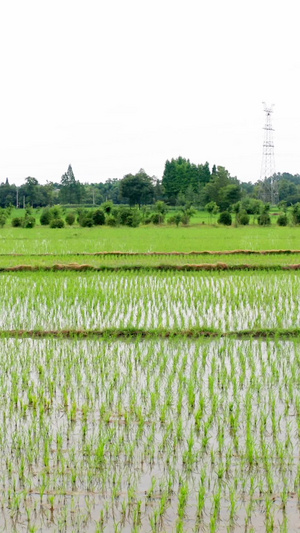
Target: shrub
155, 218
57, 223
296, 213
2, 220
175, 219
28, 222
134, 220
243, 218
107, 207
282, 220
99, 217
185, 218
85, 218
16, 222
70, 219
225, 218
264, 219
55, 211
111, 220
161, 207
124, 214
45, 217
86, 221
115, 212
129, 217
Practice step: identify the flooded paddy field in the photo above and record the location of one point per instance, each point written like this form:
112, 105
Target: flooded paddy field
175, 301
151, 434
161, 435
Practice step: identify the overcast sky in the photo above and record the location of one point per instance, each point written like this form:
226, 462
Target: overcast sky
111, 86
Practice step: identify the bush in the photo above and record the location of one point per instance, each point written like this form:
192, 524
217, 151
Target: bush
124, 214
243, 218
175, 219
282, 220
264, 219
185, 218
16, 222
99, 217
85, 218
28, 222
86, 221
107, 207
45, 217
296, 213
2, 220
57, 223
225, 218
161, 207
111, 220
115, 212
70, 219
155, 218
129, 217
55, 211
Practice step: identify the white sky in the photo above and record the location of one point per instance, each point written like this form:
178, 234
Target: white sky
111, 86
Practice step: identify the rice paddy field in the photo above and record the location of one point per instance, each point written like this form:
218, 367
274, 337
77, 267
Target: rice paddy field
136, 396
146, 238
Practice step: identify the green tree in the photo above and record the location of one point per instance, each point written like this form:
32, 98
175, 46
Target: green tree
230, 194
180, 175
137, 188
218, 190
71, 190
212, 208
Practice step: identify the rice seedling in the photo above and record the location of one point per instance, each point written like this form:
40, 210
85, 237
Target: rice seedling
158, 435
165, 301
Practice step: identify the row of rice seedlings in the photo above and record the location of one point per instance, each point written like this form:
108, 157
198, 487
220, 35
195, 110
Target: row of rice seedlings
152, 436
146, 261
225, 302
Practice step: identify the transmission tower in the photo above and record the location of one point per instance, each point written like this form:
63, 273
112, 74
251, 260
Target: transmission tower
268, 160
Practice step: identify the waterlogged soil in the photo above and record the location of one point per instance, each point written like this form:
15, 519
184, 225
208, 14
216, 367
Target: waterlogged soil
222, 301
159, 435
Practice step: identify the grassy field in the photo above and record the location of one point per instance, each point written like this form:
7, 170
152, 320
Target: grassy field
146, 238
136, 422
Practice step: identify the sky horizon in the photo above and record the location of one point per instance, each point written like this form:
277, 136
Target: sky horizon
114, 87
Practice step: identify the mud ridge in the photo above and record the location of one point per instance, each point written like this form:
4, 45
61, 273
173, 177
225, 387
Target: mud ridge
130, 333
76, 267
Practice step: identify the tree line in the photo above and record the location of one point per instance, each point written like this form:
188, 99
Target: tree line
182, 183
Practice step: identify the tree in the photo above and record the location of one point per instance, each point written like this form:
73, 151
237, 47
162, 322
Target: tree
212, 208
230, 194
71, 191
180, 175
222, 189
137, 188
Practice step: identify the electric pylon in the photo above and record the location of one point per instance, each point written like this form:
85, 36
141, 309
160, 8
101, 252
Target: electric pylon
268, 160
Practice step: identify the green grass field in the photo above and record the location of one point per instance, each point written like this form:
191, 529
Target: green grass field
146, 238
